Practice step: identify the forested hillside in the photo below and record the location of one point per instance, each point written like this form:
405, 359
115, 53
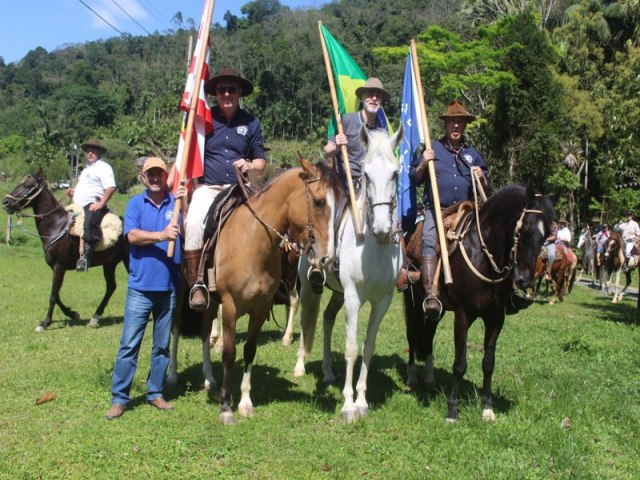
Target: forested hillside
555, 87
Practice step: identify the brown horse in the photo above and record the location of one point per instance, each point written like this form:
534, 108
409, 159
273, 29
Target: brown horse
299, 204
562, 272
60, 248
496, 253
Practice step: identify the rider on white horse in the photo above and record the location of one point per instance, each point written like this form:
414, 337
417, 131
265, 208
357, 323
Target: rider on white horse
629, 230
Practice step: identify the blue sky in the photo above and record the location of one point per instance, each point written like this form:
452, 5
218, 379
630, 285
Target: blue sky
25, 24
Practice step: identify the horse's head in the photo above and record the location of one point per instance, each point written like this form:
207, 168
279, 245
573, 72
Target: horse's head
613, 246
380, 182
311, 211
27, 190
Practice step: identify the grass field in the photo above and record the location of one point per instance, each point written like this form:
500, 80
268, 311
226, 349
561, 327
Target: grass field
575, 363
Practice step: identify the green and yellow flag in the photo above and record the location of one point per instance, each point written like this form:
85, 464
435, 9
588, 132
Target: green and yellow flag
348, 77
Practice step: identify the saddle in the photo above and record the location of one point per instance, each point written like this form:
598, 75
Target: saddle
219, 212
111, 226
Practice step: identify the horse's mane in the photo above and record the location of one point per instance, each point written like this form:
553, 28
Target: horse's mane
379, 142
328, 177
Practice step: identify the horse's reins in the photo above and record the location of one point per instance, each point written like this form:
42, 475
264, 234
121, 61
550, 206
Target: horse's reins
513, 254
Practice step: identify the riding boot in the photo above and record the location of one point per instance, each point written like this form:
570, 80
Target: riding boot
431, 306
84, 262
625, 265
197, 298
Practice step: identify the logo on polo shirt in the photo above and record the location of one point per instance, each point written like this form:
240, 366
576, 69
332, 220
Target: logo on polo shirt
168, 215
468, 158
242, 130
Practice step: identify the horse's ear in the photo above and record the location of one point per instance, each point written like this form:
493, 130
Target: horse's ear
396, 140
40, 173
308, 168
364, 135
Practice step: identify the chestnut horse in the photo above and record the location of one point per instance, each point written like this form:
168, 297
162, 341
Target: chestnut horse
296, 210
563, 273
61, 250
496, 253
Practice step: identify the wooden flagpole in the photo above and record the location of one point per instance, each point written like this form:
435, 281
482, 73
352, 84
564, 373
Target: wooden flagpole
343, 148
195, 98
444, 254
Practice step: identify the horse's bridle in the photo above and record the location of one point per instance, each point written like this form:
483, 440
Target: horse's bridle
393, 204
28, 197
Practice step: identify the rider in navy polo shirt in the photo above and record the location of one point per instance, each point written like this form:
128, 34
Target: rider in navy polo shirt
237, 142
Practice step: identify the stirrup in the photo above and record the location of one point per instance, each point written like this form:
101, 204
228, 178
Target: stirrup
202, 288
82, 265
316, 278
431, 313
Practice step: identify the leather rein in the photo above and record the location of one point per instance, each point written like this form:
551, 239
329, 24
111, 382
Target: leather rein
505, 271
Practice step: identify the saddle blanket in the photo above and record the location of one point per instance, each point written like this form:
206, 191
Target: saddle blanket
111, 226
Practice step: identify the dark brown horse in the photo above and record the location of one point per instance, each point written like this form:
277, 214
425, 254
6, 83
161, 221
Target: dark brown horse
512, 226
60, 248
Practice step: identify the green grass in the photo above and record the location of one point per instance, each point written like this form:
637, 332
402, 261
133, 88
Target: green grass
578, 360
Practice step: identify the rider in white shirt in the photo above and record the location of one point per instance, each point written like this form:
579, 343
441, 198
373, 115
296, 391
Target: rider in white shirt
630, 231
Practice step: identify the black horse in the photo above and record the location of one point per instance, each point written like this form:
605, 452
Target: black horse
513, 224
61, 250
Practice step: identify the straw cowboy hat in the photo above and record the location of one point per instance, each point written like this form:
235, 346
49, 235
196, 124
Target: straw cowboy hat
562, 219
373, 84
456, 110
228, 73
93, 143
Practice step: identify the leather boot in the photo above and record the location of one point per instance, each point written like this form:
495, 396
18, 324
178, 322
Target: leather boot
431, 305
405, 278
197, 298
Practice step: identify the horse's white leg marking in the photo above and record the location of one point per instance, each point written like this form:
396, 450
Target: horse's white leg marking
216, 339
172, 377
488, 415
245, 407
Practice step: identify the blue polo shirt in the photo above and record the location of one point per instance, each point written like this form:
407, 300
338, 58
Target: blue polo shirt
230, 141
149, 267
453, 173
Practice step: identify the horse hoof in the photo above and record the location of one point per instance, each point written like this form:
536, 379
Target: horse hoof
329, 380
488, 415
450, 421
39, 329
362, 411
227, 418
75, 316
286, 341
210, 385
299, 371
349, 416
246, 411
94, 322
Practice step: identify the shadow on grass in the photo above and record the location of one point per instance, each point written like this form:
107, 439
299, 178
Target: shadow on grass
67, 322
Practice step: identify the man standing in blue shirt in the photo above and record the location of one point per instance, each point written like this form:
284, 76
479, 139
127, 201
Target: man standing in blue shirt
455, 162
236, 142
152, 285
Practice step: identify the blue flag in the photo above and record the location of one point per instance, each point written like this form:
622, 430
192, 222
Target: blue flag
413, 138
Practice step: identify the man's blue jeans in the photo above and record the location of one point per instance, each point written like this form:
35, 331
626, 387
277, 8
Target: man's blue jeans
139, 306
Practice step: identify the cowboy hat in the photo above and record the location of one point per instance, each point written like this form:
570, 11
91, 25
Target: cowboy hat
562, 219
228, 73
373, 84
93, 143
456, 110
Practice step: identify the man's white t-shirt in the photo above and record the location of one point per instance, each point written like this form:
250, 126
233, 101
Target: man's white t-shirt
630, 230
564, 235
92, 183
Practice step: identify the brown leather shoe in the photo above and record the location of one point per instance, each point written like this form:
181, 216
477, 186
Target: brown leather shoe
160, 403
197, 298
405, 278
116, 410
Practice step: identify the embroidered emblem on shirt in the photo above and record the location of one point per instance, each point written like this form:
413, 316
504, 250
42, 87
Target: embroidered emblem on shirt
242, 130
168, 215
468, 158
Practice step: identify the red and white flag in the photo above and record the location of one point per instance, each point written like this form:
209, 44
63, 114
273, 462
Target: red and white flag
203, 121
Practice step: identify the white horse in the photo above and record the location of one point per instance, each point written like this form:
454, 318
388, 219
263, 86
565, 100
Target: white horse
587, 245
368, 268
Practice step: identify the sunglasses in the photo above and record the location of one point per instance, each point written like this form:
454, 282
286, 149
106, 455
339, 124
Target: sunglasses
225, 90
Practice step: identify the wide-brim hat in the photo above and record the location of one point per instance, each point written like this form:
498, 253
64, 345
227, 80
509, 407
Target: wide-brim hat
375, 84
94, 143
154, 162
456, 110
562, 219
228, 73
628, 212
